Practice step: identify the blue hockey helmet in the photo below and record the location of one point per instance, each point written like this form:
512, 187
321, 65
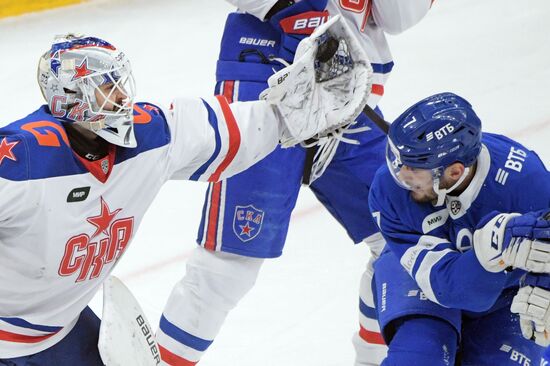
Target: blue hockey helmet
433, 134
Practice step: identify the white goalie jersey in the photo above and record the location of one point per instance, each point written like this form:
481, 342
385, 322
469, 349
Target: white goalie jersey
64, 223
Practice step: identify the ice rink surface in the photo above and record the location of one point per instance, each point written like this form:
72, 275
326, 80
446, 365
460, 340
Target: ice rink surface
303, 310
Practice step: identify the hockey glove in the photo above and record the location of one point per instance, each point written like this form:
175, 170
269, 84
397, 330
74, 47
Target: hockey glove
316, 95
514, 240
532, 304
296, 22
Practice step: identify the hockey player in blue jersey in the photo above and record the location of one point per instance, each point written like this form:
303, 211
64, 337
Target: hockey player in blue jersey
463, 214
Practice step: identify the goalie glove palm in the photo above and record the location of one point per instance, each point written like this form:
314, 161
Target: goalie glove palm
311, 99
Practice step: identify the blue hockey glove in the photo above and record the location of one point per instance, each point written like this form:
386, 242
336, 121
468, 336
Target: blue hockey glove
533, 225
296, 22
532, 304
514, 240
541, 280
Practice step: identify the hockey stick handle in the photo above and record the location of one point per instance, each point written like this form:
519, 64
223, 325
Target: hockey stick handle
378, 121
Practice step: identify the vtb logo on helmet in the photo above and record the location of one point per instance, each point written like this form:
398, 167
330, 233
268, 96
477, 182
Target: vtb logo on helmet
433, 134
86, 80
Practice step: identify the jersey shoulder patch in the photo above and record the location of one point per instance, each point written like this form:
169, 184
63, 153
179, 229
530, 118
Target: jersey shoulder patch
34, 147
14, 156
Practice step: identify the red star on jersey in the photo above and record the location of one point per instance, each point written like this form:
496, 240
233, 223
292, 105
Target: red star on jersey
104, 219
82, 70
5, 150
246, 229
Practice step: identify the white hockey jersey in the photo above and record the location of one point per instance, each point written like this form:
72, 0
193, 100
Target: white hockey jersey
369, 20
65, 223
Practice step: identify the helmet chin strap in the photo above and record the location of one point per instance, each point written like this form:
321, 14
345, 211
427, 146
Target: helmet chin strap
442, 193
94, 126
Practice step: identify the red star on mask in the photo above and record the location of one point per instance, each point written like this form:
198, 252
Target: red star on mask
82, 70
5, 150
246, 229
103, 220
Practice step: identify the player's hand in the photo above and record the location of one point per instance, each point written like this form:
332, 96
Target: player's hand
514, 240
527, 240
296, 22
532, 304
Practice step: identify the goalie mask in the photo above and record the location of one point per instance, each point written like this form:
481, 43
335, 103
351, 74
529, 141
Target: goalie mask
87, 81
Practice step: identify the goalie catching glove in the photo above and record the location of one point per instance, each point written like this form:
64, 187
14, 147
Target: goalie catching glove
514, 240
321, 91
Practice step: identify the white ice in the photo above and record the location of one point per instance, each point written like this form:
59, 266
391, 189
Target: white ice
303, 310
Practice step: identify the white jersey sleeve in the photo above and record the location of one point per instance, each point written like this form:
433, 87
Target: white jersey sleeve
212, 140
396, 16
258, 8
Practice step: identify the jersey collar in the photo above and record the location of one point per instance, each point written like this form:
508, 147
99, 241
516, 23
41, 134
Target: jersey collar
459, 205
101, 169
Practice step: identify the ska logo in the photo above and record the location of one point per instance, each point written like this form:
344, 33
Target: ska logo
247, 222
87, 255
455, 207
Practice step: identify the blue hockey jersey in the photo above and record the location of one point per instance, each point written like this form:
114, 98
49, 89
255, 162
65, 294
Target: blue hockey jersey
433, 243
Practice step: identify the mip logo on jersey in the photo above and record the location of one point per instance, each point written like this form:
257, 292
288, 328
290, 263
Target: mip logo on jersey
247, 222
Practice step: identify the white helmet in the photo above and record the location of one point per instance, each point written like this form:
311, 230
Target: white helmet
71, 75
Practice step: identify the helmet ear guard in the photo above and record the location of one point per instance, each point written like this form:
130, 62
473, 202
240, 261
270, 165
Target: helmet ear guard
433, 134
87, 81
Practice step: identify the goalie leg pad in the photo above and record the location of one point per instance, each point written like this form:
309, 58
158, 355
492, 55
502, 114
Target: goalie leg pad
125, 336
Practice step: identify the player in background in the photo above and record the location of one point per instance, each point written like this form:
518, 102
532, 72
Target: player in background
459, 212
78, 174
245, 219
